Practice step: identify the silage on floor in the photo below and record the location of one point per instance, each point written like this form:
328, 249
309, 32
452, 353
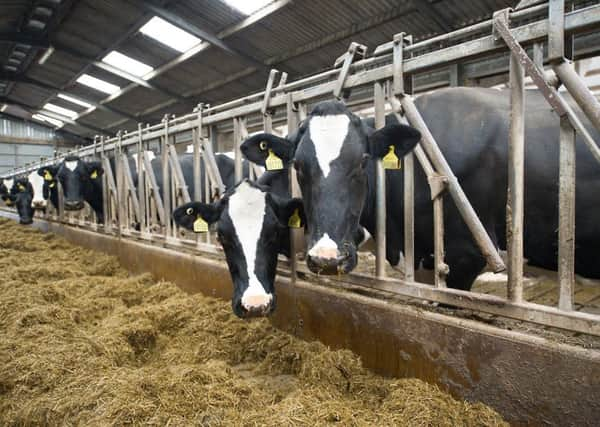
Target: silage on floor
83, 342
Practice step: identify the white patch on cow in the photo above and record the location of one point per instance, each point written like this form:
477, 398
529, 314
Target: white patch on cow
37, 182
328, 134
325, 248
247, 212
366, 237
189, 149
71, 164
8, 183
229, 154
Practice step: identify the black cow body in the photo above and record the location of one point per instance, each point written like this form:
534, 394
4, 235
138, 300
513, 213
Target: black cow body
471, 126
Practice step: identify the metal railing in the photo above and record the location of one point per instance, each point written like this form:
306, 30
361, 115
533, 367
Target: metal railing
383, 81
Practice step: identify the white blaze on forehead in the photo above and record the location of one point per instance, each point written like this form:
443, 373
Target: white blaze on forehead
71, 164
8, 183
247, 212
37, 182
328, 134
324, 248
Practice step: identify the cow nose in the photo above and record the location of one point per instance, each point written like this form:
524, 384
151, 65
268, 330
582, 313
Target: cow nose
72, 205
325, 257
26, 221
256, 304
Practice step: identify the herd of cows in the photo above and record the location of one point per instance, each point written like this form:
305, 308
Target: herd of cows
333, 152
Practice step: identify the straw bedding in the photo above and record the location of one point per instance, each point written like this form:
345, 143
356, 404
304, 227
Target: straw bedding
84, 343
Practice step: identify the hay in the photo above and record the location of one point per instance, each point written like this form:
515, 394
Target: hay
83, 343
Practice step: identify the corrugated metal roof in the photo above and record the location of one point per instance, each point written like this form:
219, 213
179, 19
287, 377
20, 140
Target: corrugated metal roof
302, 37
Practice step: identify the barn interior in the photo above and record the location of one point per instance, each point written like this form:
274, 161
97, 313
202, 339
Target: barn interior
162, 78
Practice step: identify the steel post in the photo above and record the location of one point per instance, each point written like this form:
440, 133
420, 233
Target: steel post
380, 203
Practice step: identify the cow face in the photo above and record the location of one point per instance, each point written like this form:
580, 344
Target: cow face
250, 225
77, 179
49, 186
331, 151
21, 195
5, 187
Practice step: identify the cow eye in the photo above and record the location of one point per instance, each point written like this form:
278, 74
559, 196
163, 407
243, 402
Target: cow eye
263, 145
189, 211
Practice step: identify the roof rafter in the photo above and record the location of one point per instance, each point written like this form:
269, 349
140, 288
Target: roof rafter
24, 39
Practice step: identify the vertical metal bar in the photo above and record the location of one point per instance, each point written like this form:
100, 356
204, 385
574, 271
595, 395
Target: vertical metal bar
440, 268
105, 189
236, 149
207, 199
141, 180
380, 208
197, 135
538, 55
398, 65
409, 217
296, 236
566, 215
516, 177
120, 190
556, 30
166, 184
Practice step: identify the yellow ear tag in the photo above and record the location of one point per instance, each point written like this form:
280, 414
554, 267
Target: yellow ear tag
20, 187
390, 160
52, 185
47, 175
273, 163
94, 175
200, 226
295, 221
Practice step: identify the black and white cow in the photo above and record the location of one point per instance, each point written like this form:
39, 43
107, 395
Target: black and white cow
252, 226
6, 185
333, 152
21, 195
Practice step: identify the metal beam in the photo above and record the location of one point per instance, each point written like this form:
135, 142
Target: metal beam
154, 7
14, 37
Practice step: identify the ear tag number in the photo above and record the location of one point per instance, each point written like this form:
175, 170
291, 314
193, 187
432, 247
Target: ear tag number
94, 175
295, 221
390, 160
47, 175
273, 163
200, 226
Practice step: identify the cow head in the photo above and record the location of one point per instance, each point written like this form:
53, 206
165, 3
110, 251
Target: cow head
250, 225
21, 195
48, 175
5, 187
331, 151
78, 178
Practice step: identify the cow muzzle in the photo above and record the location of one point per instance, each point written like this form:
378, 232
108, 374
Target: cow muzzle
326, 258
73, 205
39, 204
255, 305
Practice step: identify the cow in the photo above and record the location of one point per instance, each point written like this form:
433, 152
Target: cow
5, 187
253, 227
21, 195
334, 154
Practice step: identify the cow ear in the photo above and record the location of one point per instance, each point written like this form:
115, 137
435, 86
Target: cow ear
290, 212
270, 151
95, 169
47, 172
392, 142
196, 216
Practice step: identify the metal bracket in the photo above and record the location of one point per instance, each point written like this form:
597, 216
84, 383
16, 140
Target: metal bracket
438, 185
266, 99
504, 15
345, 61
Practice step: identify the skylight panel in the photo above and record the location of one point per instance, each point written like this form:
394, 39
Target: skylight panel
248, 7
98, 84
43, 118
74, 100
125, 63
60, 110
169, 35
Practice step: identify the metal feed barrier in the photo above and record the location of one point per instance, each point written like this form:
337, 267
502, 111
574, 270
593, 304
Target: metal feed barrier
386, 78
